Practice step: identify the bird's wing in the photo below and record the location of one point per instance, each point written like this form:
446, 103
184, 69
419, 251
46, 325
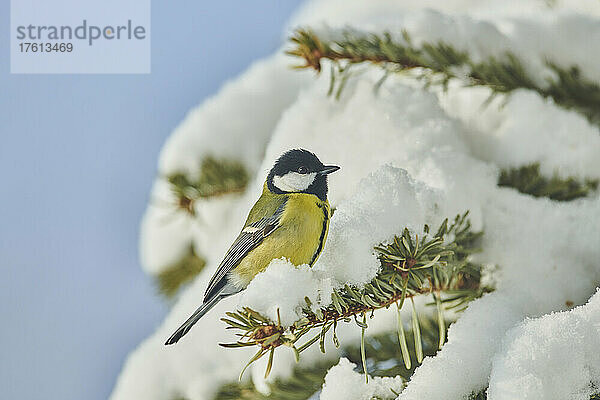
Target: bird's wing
248, 239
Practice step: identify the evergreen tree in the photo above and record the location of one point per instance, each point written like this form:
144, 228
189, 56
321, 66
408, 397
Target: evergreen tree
441, 264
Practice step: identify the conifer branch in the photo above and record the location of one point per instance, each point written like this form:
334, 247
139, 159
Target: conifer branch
383, 359
217, 177
410, 266
528, 180
437, 63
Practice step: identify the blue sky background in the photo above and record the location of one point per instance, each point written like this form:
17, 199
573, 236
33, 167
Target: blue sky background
78, 155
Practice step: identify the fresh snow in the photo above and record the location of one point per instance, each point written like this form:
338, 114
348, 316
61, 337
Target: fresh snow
535, 355
408, 157
342, 382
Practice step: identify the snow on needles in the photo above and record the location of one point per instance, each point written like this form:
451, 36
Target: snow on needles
409, 156
547, 34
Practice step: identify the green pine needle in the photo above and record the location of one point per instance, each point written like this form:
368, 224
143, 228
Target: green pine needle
363, 356
440, 315
416, 332
402, 341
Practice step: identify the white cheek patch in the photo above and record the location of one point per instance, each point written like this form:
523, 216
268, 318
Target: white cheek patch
293, 181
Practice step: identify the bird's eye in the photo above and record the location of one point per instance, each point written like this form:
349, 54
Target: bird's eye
302, 170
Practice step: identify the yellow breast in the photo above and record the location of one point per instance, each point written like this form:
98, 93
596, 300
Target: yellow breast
300, 237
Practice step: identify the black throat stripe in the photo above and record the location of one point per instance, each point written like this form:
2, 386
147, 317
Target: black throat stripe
322, 238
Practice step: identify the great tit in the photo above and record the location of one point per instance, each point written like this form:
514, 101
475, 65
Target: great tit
290, 219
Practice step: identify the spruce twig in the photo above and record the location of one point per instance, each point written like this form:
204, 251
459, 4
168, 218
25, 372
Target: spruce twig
410, 266
529, 180
438, 63
382, 358
217, 177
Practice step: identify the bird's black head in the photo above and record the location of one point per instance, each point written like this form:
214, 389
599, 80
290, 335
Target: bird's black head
300, 171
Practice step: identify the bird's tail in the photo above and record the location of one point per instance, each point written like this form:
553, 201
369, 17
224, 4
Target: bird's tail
187, 325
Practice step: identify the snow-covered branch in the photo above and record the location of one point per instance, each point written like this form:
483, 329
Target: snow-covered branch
411, 265
439, 62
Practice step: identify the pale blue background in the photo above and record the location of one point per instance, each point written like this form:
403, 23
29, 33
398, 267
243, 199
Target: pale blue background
77, 157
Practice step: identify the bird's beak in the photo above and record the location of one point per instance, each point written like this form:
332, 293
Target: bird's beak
328, 169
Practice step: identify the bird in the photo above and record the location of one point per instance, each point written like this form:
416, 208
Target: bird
290, 220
